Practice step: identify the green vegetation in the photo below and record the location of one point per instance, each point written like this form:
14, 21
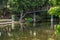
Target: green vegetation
57, 29
26, 14
55, 10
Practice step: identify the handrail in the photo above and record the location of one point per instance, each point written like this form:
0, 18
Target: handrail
5, 19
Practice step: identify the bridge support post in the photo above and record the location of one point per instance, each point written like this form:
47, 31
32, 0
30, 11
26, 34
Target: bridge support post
51, 22
34, 19
12, 21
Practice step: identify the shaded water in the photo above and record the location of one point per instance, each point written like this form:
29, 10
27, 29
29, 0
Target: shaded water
40, 32
28, 34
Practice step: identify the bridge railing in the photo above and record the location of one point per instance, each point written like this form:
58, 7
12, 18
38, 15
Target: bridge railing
5, 22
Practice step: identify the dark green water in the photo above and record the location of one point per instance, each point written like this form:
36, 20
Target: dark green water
28, 34
40, 32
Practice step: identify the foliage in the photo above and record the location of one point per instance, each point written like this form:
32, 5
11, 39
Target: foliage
16, 18
57, 29
17, 5
54, 11
28, 19
55, 2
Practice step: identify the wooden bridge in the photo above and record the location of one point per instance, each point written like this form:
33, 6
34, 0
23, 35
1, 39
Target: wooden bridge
5, 22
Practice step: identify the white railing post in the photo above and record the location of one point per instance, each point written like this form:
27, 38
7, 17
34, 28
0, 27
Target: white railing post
34, 19
12, 21
51, 21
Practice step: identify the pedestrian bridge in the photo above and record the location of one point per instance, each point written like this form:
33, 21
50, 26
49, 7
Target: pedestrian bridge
5, 22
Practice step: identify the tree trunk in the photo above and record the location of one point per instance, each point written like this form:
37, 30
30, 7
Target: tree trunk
21, 24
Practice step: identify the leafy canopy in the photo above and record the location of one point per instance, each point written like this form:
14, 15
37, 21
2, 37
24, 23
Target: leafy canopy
54, 10
55, 2
17, 5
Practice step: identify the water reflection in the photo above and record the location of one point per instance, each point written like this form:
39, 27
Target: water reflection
29, 34
34, 33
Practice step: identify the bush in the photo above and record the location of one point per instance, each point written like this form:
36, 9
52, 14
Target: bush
57, 29
15, 18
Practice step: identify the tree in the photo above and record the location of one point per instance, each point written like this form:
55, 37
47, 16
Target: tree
55, 10
20, 6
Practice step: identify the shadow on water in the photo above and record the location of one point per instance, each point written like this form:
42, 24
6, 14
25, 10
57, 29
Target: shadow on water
40, 32
35, 33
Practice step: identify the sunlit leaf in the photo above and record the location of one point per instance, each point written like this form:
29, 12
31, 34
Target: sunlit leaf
54, 10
